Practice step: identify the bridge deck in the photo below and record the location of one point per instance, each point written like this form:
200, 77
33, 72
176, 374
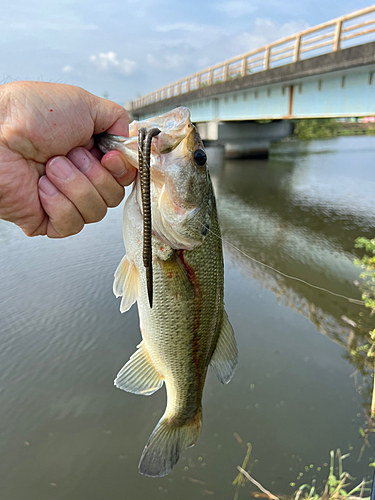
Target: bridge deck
337, 84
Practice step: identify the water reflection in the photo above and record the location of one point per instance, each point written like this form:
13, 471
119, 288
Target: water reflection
302, 220
294, 394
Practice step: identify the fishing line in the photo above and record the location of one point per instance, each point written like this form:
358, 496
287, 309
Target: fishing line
354, 301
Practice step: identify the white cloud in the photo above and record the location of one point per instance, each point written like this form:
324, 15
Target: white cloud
67, 69
165, 28
180, 53
266, 31
166, 61
280, 30
185, 29
47, 25
236, 8
108, 61
185, 36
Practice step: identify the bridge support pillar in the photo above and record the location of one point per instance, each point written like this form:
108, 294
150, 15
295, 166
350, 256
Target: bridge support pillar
244, 139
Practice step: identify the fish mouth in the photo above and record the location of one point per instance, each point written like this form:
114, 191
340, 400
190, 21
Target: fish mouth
170, 152
110, 142
175, 126
160, 144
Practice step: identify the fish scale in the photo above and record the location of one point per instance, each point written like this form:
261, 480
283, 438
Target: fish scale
187, 329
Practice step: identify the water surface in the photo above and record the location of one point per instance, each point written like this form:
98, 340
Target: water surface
67, 433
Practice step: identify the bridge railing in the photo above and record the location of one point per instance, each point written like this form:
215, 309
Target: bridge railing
343, 32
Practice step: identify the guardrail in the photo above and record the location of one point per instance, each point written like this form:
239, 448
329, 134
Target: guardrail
324, 38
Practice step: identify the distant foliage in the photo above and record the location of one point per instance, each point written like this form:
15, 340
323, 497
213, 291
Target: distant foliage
367, 262
316, 128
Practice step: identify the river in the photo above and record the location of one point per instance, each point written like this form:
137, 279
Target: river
298, 393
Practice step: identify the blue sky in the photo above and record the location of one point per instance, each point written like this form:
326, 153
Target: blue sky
127, 48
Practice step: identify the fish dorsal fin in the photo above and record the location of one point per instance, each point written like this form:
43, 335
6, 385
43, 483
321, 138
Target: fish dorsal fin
125, 284
224, 358
139, 375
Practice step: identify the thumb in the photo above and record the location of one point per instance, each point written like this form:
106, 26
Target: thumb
108, 117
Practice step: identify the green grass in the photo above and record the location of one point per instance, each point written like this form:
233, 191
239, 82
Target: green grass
340, 485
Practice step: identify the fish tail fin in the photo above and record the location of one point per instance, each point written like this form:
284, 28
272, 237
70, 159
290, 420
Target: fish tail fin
168, 439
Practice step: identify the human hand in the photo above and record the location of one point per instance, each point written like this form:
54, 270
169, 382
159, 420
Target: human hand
53, 179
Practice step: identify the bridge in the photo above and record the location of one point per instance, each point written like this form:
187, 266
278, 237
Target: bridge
324, 71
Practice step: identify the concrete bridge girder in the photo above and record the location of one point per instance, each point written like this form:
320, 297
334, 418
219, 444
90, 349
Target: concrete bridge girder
242, 139
337, 84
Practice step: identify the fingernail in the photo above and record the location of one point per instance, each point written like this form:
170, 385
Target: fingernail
80, 158
116, 166
47, 187
61, 168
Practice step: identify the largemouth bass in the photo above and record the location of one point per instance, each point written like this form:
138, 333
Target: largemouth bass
187, 329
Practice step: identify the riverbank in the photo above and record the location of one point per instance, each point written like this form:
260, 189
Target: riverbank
323, 128
338, 485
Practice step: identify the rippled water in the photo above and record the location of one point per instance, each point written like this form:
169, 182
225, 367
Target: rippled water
67, 433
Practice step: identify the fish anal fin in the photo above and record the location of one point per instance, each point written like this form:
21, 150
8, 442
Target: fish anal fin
139, 375
162, 450
125, 284
224, 358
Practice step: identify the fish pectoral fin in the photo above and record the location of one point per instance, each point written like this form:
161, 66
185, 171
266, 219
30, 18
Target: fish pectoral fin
125, 284
139, 375
224, 358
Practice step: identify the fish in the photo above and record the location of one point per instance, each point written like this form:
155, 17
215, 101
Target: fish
187, 329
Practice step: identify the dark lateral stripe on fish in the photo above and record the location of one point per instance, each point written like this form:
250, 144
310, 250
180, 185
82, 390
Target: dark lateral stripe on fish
197, 316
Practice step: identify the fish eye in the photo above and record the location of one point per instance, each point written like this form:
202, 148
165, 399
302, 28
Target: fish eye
200, 157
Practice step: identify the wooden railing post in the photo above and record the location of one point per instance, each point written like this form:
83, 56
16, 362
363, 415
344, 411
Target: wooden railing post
244, 66
337, 37
267, 56
210, 77
188, 85
297, 46
225, 74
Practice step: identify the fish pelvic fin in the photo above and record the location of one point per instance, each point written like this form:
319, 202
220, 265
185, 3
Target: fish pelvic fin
225, 356
139, 375
165, 444
125, 284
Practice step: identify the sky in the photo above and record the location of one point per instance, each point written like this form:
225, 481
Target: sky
122, 49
